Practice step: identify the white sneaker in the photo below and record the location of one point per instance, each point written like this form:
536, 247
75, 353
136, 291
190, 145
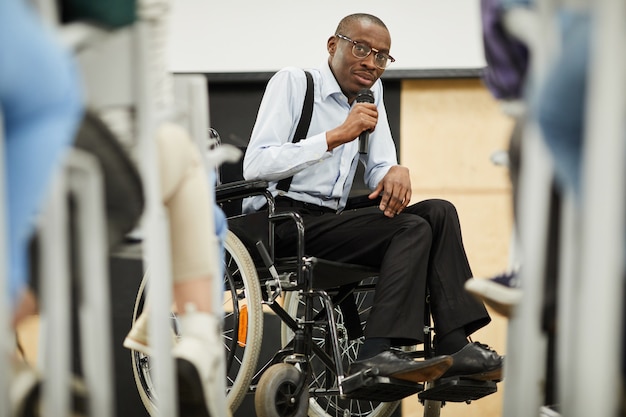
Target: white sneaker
25, 392
200, 366
137, 337
548, 411
24, 389
502, 292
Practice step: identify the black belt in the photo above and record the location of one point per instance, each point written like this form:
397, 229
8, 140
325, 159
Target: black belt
282, 201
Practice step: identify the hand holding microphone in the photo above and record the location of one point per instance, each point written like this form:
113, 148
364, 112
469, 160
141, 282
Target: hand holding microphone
364, 96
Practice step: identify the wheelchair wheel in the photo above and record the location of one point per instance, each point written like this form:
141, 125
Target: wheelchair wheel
243, 320
327, 405
273, 397
243, 327
141, 362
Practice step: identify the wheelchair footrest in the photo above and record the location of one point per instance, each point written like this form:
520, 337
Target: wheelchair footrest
366, 386
458, 390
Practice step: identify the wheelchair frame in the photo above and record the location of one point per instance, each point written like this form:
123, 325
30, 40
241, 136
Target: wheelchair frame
296, 276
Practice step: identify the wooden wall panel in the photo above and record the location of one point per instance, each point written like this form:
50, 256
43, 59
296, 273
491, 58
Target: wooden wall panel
449, 130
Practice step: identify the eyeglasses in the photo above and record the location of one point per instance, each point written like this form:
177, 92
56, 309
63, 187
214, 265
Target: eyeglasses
362, 50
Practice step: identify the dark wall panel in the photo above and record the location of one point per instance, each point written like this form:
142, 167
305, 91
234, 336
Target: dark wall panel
233, 107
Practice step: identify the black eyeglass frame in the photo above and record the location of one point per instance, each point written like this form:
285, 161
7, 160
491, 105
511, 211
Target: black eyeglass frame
389, 59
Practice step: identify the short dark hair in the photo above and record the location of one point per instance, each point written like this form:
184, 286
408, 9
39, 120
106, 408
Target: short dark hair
349, 20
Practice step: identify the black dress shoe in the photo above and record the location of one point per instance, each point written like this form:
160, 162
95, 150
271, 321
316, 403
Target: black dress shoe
397, 364
476, 361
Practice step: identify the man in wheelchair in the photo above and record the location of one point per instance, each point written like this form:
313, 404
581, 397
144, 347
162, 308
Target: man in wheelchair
418, 248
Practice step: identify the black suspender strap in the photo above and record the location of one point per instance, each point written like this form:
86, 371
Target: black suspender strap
303, 125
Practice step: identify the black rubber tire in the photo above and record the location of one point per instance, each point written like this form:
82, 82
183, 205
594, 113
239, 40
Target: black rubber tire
272, 398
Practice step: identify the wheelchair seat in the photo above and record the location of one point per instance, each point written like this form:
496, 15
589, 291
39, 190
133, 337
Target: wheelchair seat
254, 229
329, 274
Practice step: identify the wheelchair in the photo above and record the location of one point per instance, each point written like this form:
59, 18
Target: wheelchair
323, 307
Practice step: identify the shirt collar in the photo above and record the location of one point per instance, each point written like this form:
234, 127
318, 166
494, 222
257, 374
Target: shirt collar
330, 86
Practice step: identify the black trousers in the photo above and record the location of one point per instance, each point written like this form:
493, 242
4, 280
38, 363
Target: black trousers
420, 248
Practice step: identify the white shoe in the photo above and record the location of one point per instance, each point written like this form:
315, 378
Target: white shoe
200, 366
24, 388
25, 392
501, 292
549, 411
137, 337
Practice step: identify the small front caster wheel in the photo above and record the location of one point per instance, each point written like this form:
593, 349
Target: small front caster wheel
274, 393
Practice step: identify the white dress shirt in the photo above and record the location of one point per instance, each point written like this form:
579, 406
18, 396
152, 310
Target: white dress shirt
320, 176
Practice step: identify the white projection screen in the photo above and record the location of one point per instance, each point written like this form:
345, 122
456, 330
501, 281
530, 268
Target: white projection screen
235, 36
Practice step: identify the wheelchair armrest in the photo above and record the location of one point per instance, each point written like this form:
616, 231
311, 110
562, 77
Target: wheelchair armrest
361, 201
239, 189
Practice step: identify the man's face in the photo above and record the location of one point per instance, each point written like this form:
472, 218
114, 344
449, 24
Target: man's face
352, 73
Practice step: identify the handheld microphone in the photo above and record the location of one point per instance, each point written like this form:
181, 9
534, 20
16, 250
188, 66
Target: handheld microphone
364, 96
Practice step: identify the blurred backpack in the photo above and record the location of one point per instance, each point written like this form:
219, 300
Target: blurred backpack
110, 14
506, 56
